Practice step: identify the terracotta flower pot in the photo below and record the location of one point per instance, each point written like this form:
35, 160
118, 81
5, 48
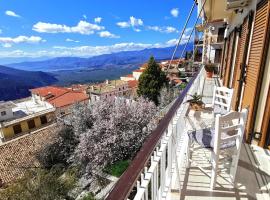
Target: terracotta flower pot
209, 74
196, 106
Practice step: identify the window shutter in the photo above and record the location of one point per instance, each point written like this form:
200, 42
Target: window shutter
257, 56
239, 68
228, 63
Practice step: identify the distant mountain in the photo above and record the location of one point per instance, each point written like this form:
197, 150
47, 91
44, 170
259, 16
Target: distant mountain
15, 84
102, 61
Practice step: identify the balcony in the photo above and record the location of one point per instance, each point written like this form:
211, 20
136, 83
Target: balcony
159, 170
217, 39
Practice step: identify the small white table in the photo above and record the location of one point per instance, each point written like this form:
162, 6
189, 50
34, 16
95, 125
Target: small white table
199, 119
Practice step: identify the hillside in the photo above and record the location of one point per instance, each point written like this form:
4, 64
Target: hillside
16, 83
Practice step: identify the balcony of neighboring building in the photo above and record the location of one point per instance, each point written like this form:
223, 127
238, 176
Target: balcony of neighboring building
159, 170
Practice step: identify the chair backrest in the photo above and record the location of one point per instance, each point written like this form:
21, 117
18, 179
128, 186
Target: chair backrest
233, 126
222, 96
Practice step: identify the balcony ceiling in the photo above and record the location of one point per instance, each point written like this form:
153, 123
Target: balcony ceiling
216, 9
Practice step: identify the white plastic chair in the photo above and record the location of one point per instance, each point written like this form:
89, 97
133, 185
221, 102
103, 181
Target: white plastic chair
222, 100
226, 135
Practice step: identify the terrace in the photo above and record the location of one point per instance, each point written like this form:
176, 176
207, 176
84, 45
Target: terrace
159, 171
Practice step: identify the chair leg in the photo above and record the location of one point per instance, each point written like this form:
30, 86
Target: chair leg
188, 157
214, 160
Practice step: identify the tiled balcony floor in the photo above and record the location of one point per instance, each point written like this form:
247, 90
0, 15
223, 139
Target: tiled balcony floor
252, 179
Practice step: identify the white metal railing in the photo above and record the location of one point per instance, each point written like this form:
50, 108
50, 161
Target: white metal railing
169, 158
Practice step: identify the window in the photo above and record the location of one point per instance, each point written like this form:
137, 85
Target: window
43, 119
3, 113
123, 88
17, 129
119, 89
31, 124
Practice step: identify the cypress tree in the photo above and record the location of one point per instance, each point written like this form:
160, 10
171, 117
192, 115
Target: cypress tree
151, 81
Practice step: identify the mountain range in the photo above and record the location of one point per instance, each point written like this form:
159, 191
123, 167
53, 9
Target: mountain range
105, 60
17, 78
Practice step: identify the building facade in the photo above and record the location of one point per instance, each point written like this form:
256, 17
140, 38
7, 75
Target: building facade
24, 116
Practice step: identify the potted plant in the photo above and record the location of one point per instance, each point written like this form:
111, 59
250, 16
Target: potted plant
196, 102
209, 68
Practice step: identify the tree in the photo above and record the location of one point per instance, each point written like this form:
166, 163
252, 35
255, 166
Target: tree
151, 81
119, 129
41, 184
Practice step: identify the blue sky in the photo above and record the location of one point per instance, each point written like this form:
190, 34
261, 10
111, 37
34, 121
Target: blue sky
39, 28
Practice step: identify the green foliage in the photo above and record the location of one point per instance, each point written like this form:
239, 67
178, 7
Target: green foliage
60, 151
182, 86
195, 98
118, 168
41, 184
89, 196
151, 81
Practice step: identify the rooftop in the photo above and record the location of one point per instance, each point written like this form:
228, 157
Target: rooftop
18, 155
133, 83
49, 92
27, 108
68, 98
107, 86
7, 105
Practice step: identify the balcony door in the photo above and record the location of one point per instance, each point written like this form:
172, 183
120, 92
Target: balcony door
256, 63
240, 63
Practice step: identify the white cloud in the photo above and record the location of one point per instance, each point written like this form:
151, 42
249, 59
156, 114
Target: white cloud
6, 45
107, 34
85, 51
175, 12
84, 16
71, 40
97, 19
123, 24
133, 22
166, 29
8, 41
83, 27
172, 42
11, 13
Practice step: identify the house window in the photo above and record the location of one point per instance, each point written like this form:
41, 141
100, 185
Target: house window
31, 124
17, 129
123, 88
3, 113
119, 89
43, 119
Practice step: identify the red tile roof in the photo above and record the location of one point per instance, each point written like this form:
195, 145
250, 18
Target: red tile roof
59, 96
138, 70
20, 154
49, 91
129, 75
133, 83
68, 98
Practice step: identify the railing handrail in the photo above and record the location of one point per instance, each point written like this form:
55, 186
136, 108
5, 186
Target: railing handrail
128, 179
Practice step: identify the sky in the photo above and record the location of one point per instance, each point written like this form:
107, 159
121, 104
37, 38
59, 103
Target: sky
53, 28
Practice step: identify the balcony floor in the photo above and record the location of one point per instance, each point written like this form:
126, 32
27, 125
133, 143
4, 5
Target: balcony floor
252, 179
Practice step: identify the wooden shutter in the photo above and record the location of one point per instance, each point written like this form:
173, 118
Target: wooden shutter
224, 50
225, 59
239, 69
254, 69
229, 59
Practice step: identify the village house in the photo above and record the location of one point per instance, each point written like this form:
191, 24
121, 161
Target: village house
59, 97
23, 116
108, 90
